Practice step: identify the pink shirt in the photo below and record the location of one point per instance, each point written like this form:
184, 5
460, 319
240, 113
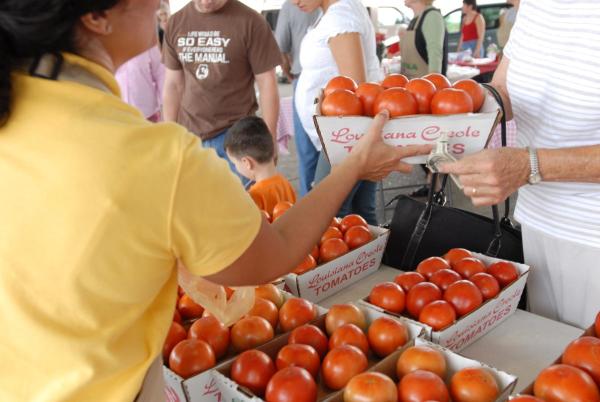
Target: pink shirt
141, 80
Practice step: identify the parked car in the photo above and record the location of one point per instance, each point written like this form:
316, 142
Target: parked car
491, 14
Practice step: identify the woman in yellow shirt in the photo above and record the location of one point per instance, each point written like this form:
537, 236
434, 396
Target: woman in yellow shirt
97, 206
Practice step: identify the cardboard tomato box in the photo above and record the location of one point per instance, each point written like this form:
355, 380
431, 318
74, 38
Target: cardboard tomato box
454, 362
591, 331
477, 323
202, 387
231, 391
467, 133
329, 278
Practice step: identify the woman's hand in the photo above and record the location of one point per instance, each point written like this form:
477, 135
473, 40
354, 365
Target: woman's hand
372, 159
492, 175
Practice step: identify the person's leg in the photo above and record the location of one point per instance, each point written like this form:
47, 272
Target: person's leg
564, 282
217, 143
306, 151
365, 201
322, 170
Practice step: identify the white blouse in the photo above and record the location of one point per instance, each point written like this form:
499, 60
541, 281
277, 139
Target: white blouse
318, 64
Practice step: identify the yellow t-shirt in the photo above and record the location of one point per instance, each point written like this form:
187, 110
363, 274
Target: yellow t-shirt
96, 205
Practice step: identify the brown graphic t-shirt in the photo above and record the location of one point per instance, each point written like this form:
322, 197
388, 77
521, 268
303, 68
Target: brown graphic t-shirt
220, 53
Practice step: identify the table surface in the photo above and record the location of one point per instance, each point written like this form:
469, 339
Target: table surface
522, 345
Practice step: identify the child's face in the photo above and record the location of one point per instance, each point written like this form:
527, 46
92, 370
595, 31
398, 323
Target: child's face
243, 166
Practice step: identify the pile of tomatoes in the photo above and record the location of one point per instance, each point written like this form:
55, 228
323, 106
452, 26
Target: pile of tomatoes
342, 236
432, 94
576, 378
334, 351
441, 290
192, 351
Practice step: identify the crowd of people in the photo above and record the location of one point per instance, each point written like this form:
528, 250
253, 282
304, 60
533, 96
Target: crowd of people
100, 200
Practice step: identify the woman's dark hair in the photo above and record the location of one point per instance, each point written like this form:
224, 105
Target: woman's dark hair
472, 3
31, 28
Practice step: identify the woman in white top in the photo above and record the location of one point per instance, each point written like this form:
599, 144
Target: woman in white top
549, 80
341, 42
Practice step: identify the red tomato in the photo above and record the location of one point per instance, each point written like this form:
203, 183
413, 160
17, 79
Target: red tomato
429, 265
584, 353
438, 315
421, 385
250, 332
308, 264
351, 220
423, 91
397, 101
340, 314
440, 81
190, 357
464, 296
444, 278
394, 81
176, 334
475, 91
291, 384
315, 253
469, 266
389, 296
269, 292
562, 382
331, 233
311, 335
526, 398
370, 387
421, 357
177, 317
339, 82
296, 312
357, 236
409, 279
505, 272
332, 249
451, 101
487, 284
188, 308
341, 102
421, 295
280, 208
253, 369
266, 309
341, 364
474, 384
368, 92
386, 335
212, 331
299, 355
456, 254
349, 334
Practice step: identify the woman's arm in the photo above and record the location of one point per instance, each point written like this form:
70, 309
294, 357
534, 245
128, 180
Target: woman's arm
480, 24
348, 54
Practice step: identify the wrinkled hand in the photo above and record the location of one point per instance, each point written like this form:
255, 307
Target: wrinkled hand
375, 159
492, 175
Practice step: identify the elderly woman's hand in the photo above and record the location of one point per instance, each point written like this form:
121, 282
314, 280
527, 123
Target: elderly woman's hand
492, 175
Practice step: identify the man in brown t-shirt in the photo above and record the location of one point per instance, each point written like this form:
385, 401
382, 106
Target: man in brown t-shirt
214, 51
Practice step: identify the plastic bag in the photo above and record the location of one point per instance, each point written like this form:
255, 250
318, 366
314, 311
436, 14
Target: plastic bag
213, 297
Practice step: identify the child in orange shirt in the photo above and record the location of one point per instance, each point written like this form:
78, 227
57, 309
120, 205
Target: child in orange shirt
249, 145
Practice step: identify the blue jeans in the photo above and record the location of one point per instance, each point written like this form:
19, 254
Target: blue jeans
307, 153
472, 44
217, 143
362, 198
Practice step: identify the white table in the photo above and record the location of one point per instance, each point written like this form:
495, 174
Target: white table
522, 345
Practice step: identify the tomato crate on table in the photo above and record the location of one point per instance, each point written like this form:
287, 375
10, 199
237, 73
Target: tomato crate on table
467, 328
233, 391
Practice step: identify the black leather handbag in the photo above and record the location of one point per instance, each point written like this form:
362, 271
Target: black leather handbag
419, 230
